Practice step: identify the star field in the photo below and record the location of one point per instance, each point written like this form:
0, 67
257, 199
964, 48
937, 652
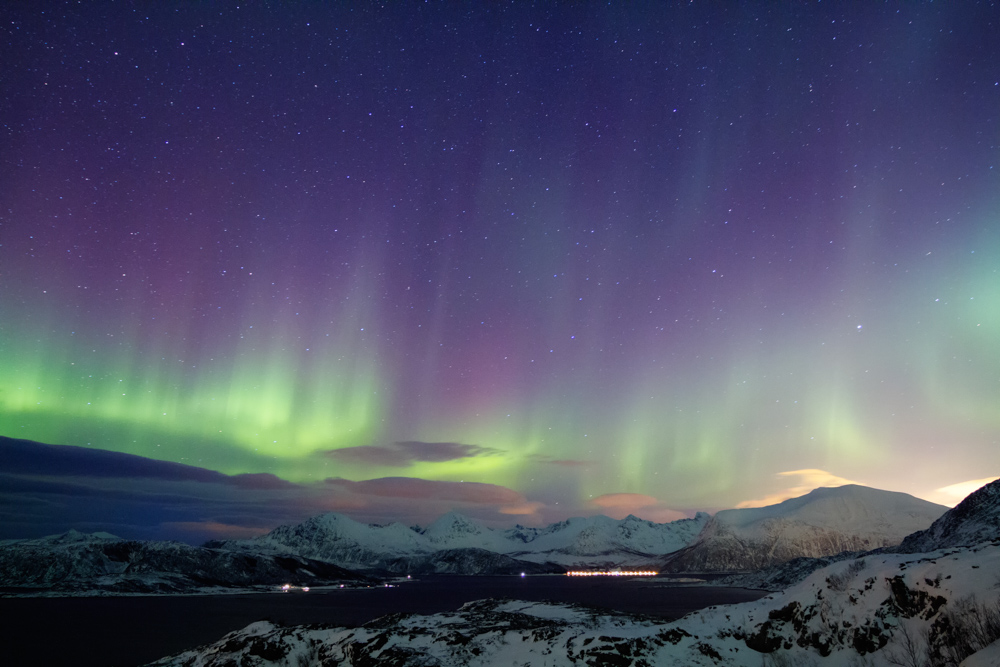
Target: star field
568, 250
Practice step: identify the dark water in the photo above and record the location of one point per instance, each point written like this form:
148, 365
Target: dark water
135, 630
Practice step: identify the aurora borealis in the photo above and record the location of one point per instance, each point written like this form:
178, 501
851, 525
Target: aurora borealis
653, 258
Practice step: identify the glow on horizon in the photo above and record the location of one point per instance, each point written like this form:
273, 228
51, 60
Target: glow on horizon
610, 276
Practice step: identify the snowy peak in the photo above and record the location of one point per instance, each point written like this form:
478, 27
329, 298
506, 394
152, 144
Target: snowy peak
974, 520
601, 540
454, 529
821, 523
596, 540
338, 539
850, 506
457, 531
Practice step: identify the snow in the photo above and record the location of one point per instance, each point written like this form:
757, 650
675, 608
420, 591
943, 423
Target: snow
852, 612
75, 563
590, 541
975, 519
823, 522
849, 613
988, 657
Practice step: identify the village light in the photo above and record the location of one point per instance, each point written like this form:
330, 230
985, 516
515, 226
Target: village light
611, 573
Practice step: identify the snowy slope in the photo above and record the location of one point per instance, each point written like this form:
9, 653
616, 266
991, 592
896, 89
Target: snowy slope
78, 563
580, 541
456, 531
337, 539
850, 613
823, 522
975, 519
600, 539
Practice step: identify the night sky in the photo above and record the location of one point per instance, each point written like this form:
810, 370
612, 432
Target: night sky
528, 262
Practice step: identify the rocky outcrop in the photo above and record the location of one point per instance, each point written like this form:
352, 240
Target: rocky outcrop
976, 519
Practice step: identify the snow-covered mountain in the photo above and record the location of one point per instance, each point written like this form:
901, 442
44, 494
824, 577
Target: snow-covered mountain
884, 608
821, 523
600, 540
900, 609
976, 519
597, 540
100, 563
337, 539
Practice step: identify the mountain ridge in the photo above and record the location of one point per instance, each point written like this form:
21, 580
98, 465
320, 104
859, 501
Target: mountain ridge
580, 541
821, 523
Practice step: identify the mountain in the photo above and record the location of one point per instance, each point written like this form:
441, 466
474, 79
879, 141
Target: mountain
886, 607
824, 522
976, 519
337, 539
603, 541
901, 609
590, 541
456, 531
469, 560
101, 563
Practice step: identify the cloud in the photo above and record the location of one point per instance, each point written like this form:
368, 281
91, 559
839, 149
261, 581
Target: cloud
47, 489
259, 481
202, 531
26, 457
808, 480
414, 500
405, 454
953, 494
527, 508
425, 489
620, 505
620, 501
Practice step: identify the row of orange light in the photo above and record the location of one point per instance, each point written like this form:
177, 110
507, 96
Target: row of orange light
611, 573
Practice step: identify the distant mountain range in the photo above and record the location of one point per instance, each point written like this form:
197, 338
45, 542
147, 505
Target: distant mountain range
457, 544
888, 607
332, 548
825, 522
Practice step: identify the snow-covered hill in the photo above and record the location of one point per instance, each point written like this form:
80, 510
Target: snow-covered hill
880, 610
100, 563
337, 539
596, 540
821, 523
976, 519
600, 540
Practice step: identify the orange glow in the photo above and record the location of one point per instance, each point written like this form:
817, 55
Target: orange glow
611, 573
